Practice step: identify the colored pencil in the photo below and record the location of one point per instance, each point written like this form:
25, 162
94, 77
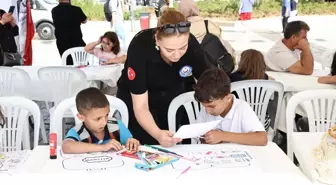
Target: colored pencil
184, 171
163, 150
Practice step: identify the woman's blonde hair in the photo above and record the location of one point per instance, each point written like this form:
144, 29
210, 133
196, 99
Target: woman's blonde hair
169, 16
252, 64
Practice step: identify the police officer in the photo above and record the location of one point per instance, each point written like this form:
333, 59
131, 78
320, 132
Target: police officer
160, 63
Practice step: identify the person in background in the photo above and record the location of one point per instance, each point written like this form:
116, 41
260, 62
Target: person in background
95, 134
8, 30
294, 11
245, 10
238, 122
164, 7
285, 12
252, 67
292, 53
117, 22
331, 79
190, 10
67, 20
109, 52
159, 63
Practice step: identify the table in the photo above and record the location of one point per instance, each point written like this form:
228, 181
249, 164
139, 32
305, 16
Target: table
303, 144
270, 158
294, 83
109, 74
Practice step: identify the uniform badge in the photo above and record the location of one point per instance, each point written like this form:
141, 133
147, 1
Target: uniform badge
131, 73
185, 71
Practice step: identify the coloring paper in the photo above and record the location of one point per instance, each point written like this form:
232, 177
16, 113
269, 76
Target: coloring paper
196, 130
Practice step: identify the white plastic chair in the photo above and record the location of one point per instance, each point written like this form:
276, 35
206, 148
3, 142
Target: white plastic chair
11, 79
65, 82
16, 111
320, 108
258, 93
13, 82
56, 124
191, 106
79, 57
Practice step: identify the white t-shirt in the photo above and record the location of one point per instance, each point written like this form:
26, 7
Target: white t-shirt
280, 58
240, 119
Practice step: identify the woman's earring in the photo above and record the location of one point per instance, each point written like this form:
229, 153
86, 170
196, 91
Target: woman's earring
157, 48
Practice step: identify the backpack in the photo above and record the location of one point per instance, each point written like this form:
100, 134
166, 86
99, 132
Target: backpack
107, 10
215, 52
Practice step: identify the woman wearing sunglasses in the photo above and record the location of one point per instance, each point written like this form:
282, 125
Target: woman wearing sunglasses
160, 62
109, 52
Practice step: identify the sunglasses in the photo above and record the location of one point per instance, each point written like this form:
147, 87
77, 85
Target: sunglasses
181, 27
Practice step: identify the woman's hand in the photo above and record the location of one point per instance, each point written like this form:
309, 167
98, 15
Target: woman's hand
165, 138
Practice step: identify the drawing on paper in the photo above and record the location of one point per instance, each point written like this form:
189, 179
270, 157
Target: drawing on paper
12, 162
225, 158
91, 161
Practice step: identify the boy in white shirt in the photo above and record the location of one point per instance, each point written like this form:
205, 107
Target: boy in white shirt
239, 123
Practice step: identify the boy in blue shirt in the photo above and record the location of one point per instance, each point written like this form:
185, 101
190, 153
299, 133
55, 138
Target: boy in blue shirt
94, 134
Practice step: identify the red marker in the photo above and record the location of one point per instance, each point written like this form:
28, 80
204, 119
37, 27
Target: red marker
53, 146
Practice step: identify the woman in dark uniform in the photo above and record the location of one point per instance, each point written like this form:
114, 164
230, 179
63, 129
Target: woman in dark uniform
160, 64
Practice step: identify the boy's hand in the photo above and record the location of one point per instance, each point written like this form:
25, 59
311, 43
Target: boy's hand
112, 144
213, 137
132, 144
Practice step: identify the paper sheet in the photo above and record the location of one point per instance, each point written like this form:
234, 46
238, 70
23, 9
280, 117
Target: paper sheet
12, 162
229, 158
195, 130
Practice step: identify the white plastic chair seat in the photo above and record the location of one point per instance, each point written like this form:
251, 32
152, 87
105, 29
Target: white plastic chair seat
320, 107
191, 106
258, 93
16, 111
56, 125
12, 79
79, 57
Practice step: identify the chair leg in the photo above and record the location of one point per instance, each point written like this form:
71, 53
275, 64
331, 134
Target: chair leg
43, 131
25, 137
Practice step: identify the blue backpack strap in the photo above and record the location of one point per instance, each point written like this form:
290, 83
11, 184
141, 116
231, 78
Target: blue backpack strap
125, 134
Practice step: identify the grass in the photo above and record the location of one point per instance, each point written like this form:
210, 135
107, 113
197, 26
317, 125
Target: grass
225, 9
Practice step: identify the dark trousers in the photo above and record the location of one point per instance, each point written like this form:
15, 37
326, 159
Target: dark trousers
284, 23
62, 46
159, 111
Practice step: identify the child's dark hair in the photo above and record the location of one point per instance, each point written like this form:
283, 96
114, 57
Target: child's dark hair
113, 37
90, 98
333, 66
213, 84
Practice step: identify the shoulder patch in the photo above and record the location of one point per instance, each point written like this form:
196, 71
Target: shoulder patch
130, 73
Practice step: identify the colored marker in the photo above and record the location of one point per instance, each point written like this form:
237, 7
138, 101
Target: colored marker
184, 171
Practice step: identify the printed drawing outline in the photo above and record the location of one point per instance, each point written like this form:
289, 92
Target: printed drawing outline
11, 162
94, 159
238, 158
